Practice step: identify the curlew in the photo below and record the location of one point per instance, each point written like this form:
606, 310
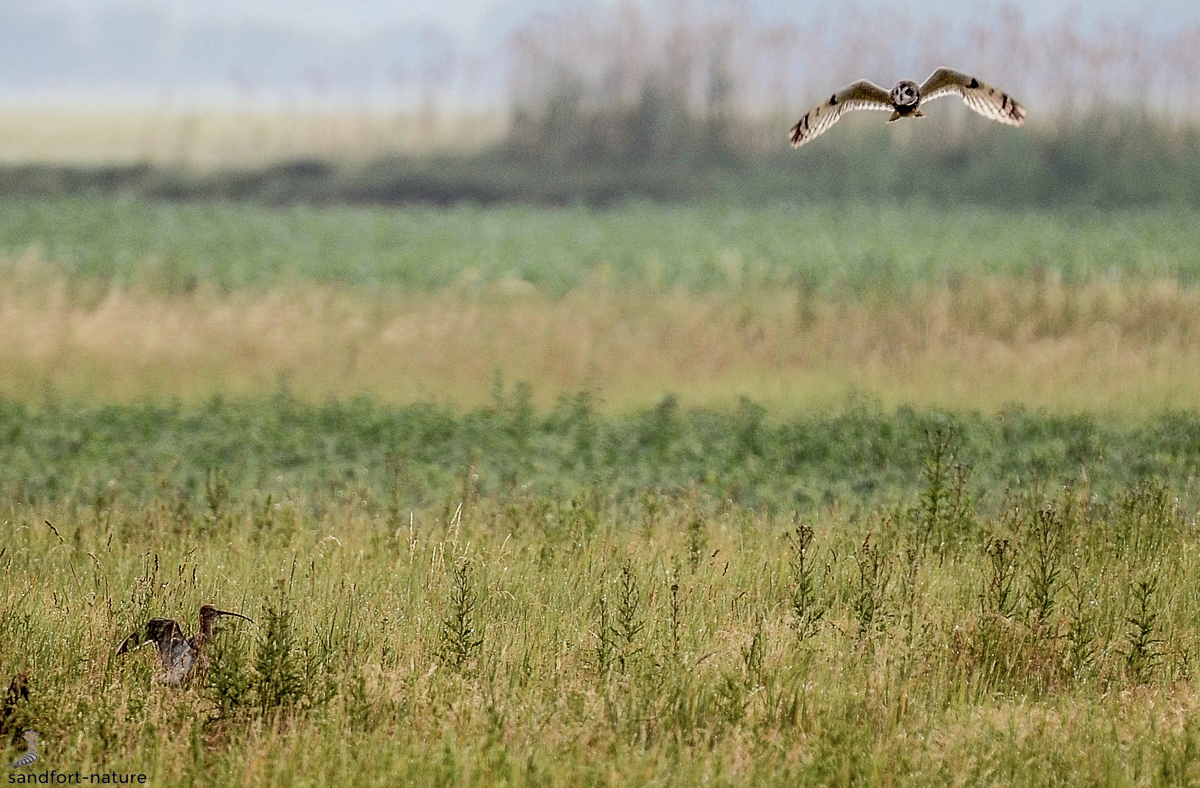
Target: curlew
180, 656
30, 755
11, 713
905, 101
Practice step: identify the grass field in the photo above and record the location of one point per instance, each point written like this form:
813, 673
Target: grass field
669, 495
115, 300
699, 248
525, 621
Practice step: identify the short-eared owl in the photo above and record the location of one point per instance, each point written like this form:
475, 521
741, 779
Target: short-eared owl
906, 99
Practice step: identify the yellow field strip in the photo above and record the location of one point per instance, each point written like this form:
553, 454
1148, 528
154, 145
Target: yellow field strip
1098, 347
212, 138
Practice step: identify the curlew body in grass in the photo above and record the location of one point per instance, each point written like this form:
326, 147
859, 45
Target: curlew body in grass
905, 101
11, 713
180, 657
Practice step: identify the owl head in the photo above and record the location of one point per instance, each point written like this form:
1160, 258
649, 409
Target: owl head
906, 94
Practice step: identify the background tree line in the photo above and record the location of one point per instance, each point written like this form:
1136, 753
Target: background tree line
664, 101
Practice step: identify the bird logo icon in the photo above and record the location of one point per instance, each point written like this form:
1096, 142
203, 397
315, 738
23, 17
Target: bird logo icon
30, 755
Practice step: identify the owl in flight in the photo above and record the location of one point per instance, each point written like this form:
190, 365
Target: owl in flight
906, 99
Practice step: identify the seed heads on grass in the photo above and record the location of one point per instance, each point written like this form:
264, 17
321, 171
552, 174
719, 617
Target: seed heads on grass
1081, 625
874, 575
627, 622
734, 693
944, 503
1144, 652
1045, 562
619, 621
1147, 516
217, 493
998, 597
228, 680
675, 620
752, 655
806, 610
697, 539
396, 469
604, 640
460, 640
584, 517
278, 680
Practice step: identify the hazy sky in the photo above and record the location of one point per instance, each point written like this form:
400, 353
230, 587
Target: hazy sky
473, 17
79, 50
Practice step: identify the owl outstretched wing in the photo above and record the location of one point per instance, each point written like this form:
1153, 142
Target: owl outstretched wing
860, 95
990, 102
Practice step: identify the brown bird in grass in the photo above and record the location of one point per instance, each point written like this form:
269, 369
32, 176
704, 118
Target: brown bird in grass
905, 101
12, 711
180, 656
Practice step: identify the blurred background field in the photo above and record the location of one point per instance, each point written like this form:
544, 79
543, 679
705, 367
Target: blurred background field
594, 104
228, 137
601, 198
559, 425
1075, 309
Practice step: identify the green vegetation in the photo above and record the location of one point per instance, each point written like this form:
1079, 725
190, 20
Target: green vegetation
699, 247
499, 597
226, 449
655, 151
575, 157
1073, 310
874, 462
582, 579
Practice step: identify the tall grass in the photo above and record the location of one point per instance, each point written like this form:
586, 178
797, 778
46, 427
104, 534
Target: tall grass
577, 580
536, 637
1073, 310
1115, 346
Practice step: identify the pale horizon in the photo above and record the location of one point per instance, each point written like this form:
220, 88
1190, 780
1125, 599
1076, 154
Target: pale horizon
372, 52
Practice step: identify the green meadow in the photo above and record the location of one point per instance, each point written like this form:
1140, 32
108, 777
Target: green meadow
834, 249
120, 299
683, 494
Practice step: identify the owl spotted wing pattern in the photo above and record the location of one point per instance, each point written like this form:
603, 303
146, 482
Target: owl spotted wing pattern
860, 95
990, 102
